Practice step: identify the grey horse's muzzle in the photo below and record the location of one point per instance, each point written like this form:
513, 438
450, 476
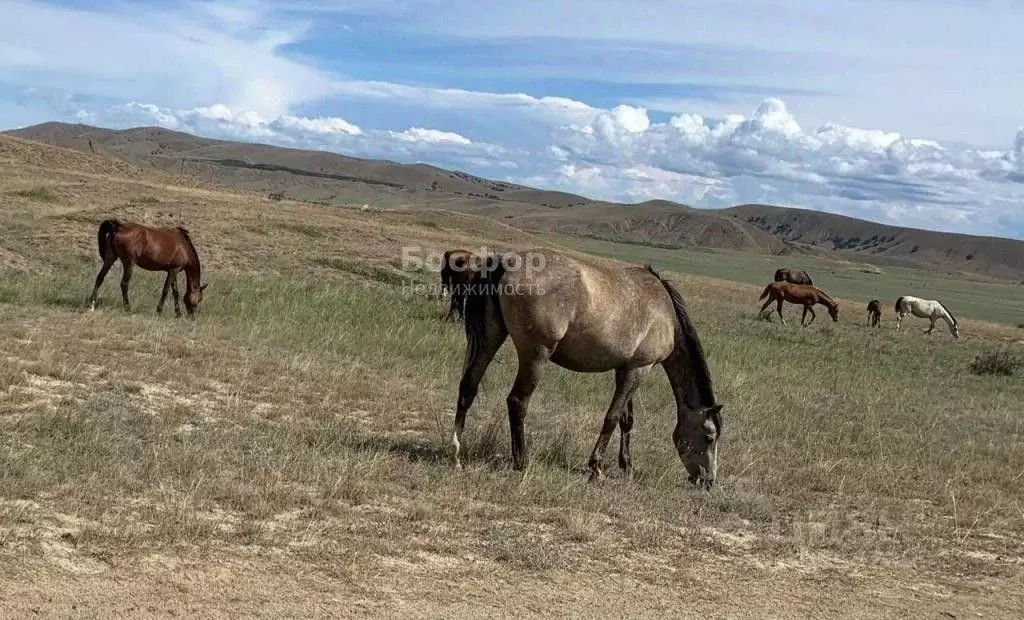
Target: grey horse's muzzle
702, 481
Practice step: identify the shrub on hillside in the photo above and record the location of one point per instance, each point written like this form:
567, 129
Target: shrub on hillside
1003, 362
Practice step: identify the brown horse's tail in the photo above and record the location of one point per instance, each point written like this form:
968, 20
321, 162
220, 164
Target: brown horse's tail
107, 229
767, 289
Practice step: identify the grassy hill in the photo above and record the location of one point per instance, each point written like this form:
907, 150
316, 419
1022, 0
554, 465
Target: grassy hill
884, 244
328, 178
286, 452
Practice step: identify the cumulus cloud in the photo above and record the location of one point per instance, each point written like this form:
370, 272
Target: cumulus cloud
770, 157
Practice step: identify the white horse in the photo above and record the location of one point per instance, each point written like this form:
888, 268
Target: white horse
926, 309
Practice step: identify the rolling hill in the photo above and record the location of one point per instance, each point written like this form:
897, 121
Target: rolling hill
885, 244
330, 178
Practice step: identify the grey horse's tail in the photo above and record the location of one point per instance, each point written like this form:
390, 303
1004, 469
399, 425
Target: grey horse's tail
899, 302
482, 304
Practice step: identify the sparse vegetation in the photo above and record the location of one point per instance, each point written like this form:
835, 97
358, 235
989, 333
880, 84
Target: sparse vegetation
40, 193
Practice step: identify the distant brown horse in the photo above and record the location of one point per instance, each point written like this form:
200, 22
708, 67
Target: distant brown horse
801, 294
457, 269
590, 315
153, 249
875, 313
794, 276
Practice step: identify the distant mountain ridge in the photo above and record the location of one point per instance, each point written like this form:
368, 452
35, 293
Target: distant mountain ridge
331, 178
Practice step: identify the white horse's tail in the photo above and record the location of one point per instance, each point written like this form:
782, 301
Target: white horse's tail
899, 302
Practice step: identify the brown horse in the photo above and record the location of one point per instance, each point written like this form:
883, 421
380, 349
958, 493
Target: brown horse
875, 313
794, 276
153, 249
589, 315
801, 294
457, 269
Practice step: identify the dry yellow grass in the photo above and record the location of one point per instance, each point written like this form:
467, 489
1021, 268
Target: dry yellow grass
285, 455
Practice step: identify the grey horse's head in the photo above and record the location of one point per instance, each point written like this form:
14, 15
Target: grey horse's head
696, 437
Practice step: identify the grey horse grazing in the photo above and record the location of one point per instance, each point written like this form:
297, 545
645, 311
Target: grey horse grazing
589, 315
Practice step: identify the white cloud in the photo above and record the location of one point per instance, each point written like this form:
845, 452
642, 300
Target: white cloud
430, 136
318, 126
864, 173
184, 56
448, 98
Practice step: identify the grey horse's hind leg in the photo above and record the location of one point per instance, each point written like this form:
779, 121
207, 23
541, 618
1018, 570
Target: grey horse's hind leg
626, 382
478, 358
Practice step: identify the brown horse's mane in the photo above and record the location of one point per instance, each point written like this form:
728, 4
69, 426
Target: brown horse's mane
826, 296
699, 364
193, 255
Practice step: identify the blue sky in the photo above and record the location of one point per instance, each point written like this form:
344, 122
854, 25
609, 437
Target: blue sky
902, 111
